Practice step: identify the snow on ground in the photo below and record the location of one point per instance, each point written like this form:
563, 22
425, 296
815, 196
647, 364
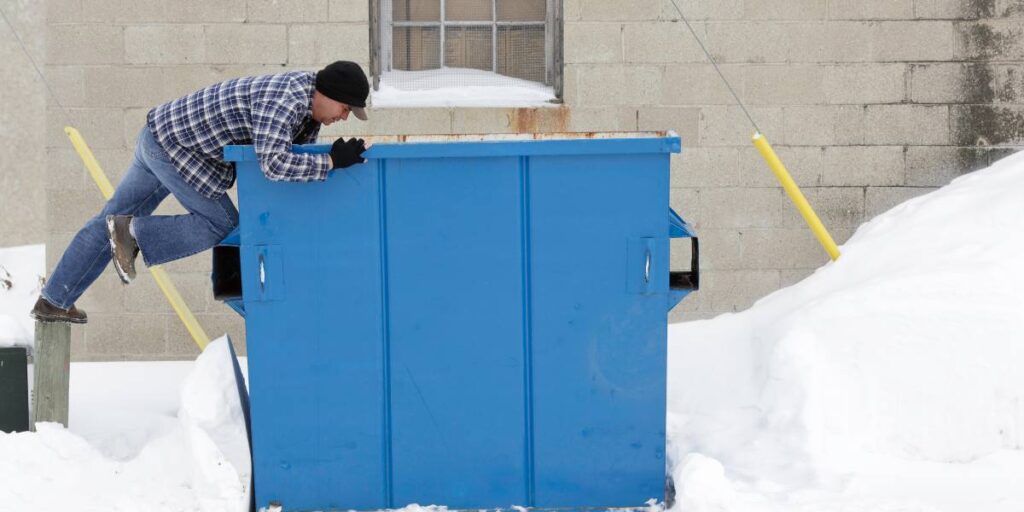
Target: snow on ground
458, 87
21, 269
887, 381
161, 436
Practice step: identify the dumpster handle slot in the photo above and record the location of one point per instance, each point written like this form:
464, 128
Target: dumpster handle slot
263, 275
688, 279
647, 266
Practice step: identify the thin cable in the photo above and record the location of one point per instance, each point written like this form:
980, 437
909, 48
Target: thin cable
67, 115
715, 64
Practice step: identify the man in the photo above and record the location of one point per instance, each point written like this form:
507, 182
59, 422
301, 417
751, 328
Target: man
180, 152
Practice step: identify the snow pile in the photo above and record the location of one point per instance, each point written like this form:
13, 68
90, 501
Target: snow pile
201, 462
21, 272
458, 87
894, 372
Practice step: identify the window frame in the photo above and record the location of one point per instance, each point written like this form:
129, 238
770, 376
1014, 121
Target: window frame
381, 25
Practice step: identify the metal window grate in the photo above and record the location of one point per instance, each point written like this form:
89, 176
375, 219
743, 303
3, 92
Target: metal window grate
466, 42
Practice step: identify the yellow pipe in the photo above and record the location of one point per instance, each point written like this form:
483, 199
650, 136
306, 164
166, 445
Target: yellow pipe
162, 279
793, 191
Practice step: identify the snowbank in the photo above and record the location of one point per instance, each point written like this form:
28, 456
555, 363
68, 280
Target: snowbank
21, 272
902, 360
200, 462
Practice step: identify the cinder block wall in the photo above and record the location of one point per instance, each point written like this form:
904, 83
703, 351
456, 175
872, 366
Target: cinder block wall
869, 103
22, 125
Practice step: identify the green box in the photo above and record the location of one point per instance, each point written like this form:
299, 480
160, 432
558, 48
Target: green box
13, 389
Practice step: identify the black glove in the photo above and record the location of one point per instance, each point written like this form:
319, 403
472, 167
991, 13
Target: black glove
345, 153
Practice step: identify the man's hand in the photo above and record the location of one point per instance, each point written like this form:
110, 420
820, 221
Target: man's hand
345, 153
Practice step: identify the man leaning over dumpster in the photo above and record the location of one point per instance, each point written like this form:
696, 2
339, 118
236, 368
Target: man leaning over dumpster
180, 152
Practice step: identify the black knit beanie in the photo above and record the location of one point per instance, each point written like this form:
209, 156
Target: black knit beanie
344, 81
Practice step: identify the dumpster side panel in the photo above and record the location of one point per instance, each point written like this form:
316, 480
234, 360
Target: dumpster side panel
314, 328
455, 310
599, 281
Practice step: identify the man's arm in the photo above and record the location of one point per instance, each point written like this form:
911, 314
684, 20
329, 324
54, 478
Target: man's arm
272, 123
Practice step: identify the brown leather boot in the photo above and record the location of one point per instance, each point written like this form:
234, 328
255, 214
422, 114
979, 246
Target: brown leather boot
123, 248
46, 312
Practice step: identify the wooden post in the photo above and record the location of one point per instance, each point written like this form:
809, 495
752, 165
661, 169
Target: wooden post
51, 373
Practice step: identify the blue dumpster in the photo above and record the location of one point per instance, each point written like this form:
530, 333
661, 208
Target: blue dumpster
478, 322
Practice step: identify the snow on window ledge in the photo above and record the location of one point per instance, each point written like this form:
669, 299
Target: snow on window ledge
458, 87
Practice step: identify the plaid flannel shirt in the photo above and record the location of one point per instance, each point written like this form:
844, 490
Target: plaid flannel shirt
270, 112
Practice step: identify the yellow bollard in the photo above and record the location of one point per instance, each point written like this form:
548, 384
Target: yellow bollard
793, 191
162, 279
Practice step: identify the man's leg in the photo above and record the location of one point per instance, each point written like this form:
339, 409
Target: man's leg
138, 193
166, 238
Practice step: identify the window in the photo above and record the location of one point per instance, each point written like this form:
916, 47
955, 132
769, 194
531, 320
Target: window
467, 45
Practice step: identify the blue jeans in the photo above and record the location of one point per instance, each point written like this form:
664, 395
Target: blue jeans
150, 178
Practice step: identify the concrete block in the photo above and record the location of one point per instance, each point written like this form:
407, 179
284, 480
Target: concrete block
728, 125
804, 163
161, 11
593, 42
741, 208
906, 124
63, 11
616, 10
788, 11
570, 79
125, 336
144, 296
851, 166
810, 125
736, 290
85, 44
68, 210
411, 121
871, 10
686, 202
720, 249
865, 83
64, 170
619, 85
665, 41
781, 248
105, 295
987, 125
287, 11
835, 41
114, 162
683, 120
936, 166
164, 44
837, 207
142, 87
66, 82
879, 200
322, 44
976, 82
248, 43
699, 84
953, 9
510, 120
794, 276
99, 126
180, 344
1000, 40
201, 263
602, 119
348, 10
572, 10
750, 42
721, 10
784, 85
912, 41
699, 167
